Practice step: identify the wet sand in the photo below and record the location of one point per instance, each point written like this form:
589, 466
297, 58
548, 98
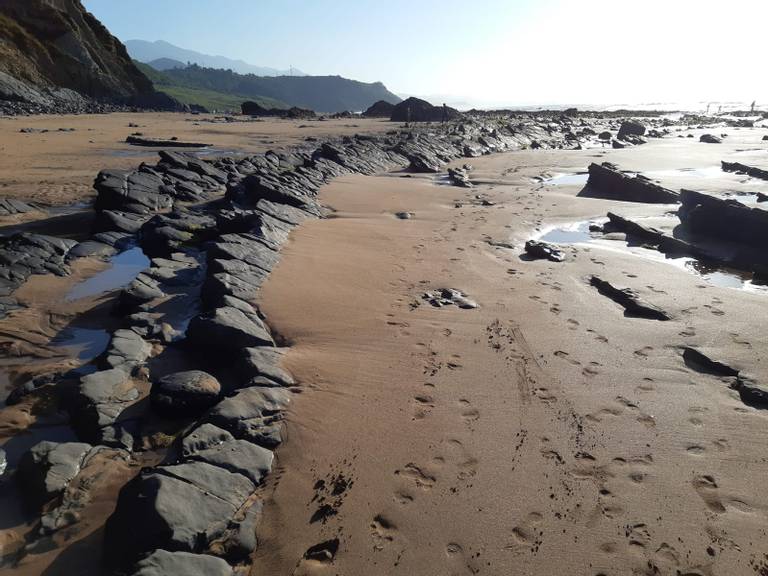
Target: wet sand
542, 433
58, 167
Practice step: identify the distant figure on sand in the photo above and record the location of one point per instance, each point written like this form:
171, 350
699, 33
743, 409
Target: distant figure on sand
753, 106
445, 113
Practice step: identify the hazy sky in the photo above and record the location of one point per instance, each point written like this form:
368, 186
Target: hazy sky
485, 52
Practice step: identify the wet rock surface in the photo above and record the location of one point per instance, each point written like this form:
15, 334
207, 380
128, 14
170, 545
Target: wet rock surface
607, 181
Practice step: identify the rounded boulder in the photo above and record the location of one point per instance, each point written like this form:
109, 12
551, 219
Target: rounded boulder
185, 393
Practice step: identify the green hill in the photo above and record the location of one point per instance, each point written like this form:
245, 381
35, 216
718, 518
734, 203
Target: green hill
319, 93
211, 99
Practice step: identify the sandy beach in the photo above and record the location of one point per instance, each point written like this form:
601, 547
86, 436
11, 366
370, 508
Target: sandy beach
543, 432
58, 166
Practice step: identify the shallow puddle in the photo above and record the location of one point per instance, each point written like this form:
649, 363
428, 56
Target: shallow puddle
575, 233
578, 233
574, 179
124, 268
83, 343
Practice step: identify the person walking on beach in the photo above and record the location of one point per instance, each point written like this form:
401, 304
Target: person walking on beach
445, 113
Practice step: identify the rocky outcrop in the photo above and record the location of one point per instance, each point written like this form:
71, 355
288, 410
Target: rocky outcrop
380, 109
739, 168
726, 219
56, 56
417, 110
214, 231
630, 128
607, 181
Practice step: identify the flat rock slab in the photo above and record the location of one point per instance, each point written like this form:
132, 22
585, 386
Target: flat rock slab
46, 470
607, 181
240, 457
155, 510
164, 563
266, 361
204, 437
227, 330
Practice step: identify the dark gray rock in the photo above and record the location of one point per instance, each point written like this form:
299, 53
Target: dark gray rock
212, 479
127, 350
185, 393
100, 413
700, 362
710, 139
726, 219
739, 168
141, 291
449, 297
157, 510
606, 181
47, 468
544, 251
92, 248
203, 437
164, 563
751, 392
265, 361
253, 414
630, 128
632, 303
227, 331
239, 457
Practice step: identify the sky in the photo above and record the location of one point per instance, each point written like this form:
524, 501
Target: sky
481, 52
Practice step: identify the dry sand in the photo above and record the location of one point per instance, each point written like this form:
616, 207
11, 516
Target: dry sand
542, 433
59, 167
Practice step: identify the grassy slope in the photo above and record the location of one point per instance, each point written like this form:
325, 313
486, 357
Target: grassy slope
211, 99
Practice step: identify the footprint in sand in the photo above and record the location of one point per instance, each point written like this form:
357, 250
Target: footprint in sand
706, 487
417, 475
423, 404
527, 536
382, 532
572, 324
456, 555
565, 356
468, 412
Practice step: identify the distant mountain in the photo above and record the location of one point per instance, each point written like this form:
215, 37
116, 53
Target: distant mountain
166, 64
56, 56
145, 51
319, 93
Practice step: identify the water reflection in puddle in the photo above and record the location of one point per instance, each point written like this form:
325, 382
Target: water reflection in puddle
84, 343
568, 234
576, 179
124, 268
723, 277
